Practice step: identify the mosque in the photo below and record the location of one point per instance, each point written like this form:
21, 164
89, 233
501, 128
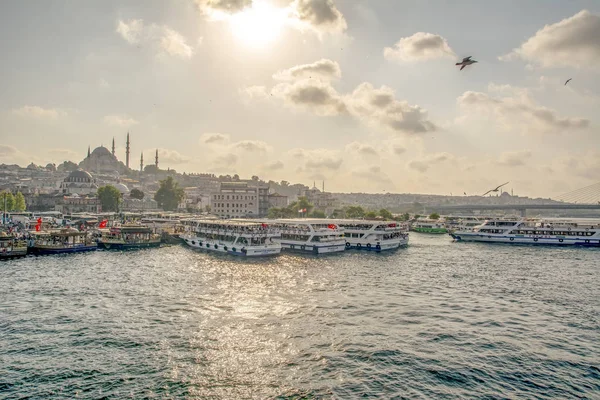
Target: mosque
101, 160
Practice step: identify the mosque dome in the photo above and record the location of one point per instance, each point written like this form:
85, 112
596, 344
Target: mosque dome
101, 152
79, 176
122, 188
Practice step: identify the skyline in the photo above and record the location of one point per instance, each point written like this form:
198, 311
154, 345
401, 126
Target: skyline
365, 95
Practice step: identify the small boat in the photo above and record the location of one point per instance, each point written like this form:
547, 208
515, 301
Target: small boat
236, 237
10, 247
372, 235
429, 226
560, 232
129, 237
317, 236
60, 241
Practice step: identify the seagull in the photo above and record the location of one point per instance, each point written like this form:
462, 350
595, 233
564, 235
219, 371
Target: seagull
466, 61
495, 190
568, 80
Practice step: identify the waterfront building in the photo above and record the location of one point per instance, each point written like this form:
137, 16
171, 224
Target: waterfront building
236, 200
277, 200
78, 204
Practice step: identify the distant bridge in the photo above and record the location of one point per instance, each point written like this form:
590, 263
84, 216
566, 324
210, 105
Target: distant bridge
522, 208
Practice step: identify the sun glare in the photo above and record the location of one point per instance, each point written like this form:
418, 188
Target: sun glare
259, 25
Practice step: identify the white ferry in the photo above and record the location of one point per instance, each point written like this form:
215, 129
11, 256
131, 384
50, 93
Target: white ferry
461, 223
533, 231
240, 238
372, 235
318, 236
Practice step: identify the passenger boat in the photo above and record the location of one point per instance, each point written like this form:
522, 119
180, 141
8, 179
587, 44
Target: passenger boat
59, 241
429, 226
129, 237
10, 247
372, 235
317, 236
240, 238
463, 222
533, 231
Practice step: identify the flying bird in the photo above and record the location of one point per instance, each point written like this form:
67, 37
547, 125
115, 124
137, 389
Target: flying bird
568, 80
495, 190
466, 61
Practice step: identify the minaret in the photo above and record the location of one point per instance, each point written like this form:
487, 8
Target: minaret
127, 152
88, 151
156, 159
142, 162
323, 186
113, 146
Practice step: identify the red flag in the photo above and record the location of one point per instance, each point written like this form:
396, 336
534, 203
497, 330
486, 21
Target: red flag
392, 225
103, 224
39, 220
38, 227
331, 226
264, 225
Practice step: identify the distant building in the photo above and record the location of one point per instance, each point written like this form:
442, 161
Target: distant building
277, 200
101, 160
42, 201
79, 182
321, 200
78, 204
235, 200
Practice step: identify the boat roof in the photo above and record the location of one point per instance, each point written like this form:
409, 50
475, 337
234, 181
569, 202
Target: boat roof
362, 221
229, 222
59, 232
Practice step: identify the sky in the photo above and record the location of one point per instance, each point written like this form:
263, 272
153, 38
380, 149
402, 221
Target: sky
362, 94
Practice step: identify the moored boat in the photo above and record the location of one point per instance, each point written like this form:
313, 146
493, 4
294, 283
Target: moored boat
560, 232
236, 237
317, 236
372, 235
429, 226
129, 237
60, 241
11, 247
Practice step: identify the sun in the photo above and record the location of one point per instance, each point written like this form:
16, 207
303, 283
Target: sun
259, 25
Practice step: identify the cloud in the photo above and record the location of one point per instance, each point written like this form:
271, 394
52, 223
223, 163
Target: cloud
226, 161
583, 165
321, 15
164, 39
398, 149
6, 150
274, 165
131, 30
373, 173
211, 7
424, 163
519, 111
381, 106
317, 160
169, 157
514, 158
572, 42
214, 138
362, 149
313, 94
252, 146
323, 69
419, 47
174, 44
122, 121
39, 112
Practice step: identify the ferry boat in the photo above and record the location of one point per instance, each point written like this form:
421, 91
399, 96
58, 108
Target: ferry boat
236, 237
429, 226
456, 223
129, 237
533, 231
10, 247
372, 235
317, 236
59, 241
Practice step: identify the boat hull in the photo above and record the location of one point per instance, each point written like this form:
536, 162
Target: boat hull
376, 246
47, 251
128, 246
14, 253
514, 239
437, 231
228, 248
314, 249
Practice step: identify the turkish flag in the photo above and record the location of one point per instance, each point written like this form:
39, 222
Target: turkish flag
331, 226
103, 224
38, 227
39, 221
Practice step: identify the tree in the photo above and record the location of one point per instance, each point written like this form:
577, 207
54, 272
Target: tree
169, 195
8, 199
136, 194
302, 204
385, 214
19, 202
207, 208
318, 214
355, 212
434, 216
275, 213
285, 183
67, 166
404, 217
371, 215
338, 213
236, 177
110, 197
255, 178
